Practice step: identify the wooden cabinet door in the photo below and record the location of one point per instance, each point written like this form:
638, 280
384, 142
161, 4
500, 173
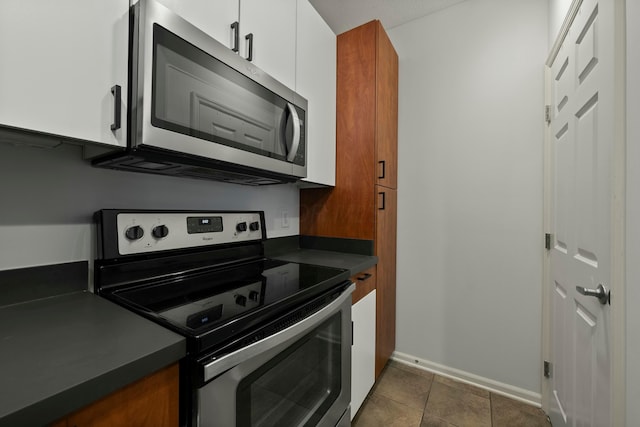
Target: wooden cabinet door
385, 247
60, 60
150, 402
387, 112
365, 282
214, 17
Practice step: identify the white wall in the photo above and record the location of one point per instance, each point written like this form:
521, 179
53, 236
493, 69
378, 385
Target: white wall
48, 197
633, 213
470, 189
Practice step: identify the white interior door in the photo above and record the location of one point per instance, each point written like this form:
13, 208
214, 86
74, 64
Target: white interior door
582, 135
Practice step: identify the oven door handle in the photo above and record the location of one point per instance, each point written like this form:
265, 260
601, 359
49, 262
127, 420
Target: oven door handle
230, 360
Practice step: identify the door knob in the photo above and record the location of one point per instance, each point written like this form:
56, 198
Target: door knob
600, 292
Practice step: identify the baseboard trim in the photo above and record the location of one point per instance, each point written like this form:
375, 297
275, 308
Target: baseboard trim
503, 389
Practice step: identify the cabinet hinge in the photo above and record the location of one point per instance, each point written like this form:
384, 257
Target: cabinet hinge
547, 114
547, 241
547, 369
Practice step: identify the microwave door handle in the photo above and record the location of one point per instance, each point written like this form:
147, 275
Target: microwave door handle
295, 142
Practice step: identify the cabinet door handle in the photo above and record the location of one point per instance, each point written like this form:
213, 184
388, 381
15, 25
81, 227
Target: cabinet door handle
250, 38
383, 163
116, 91
364, 277
352, 333
235, 27
381, 208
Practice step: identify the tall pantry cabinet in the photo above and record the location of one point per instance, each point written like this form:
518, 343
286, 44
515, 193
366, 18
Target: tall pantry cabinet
363, 204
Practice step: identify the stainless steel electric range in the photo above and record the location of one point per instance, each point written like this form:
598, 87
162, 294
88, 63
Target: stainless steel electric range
269, 342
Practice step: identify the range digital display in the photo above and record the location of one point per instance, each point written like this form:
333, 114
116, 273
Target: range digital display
204, 224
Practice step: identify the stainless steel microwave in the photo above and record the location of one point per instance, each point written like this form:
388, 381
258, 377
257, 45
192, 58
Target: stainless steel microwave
196, 109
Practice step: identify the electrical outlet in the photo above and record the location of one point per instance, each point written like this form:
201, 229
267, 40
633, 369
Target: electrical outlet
285, 219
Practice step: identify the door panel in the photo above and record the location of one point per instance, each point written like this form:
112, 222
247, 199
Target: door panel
386, 111
582, 130
385, 249
561, 359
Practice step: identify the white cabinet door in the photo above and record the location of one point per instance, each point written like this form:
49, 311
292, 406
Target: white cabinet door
60, 60
363, 351
273, 26
214, 17
316, 81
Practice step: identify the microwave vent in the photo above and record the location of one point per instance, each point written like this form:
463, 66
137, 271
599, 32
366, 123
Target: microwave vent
162, 163
225, 176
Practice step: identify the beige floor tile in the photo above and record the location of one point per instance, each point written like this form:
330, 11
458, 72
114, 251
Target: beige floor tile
410, 368
507, 412
467, 387
379, 411
458, 406
432, 421
404, 387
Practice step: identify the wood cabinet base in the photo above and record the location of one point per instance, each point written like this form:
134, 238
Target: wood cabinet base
151, 401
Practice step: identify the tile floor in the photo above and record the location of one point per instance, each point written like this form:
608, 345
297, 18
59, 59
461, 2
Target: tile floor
405, 396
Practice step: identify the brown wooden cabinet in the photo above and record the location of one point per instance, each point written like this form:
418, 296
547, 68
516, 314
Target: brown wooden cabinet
365, 282
363, 204
149, 402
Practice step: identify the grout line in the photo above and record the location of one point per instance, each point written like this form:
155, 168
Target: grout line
491, 407
426, 402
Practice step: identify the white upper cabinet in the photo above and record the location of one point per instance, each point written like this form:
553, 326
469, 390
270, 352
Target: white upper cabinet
316, 81
266, 30
214, 17
272, 25
59, 61
291, 43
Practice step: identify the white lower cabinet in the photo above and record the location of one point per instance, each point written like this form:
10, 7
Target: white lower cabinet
363, 351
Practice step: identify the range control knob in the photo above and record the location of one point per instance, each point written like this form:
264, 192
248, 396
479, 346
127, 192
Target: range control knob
254, 295
254, 226
134, 233
241, 300
160, 231
241, 226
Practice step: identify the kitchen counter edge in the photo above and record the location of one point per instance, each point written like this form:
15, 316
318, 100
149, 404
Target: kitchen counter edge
355, 263
122, 348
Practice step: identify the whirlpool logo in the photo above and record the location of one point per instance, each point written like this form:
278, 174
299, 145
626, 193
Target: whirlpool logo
207, 238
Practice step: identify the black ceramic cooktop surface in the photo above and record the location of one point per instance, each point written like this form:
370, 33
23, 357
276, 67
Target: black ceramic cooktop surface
227, 299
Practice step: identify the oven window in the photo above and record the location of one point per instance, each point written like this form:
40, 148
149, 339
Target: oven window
297, 387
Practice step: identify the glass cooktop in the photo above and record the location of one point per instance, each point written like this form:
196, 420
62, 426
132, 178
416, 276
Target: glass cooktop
202, 302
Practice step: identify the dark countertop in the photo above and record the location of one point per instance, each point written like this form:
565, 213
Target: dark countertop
59, 354
62, 349
355, 263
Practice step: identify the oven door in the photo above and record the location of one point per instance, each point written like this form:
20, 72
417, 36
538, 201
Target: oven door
300, 376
